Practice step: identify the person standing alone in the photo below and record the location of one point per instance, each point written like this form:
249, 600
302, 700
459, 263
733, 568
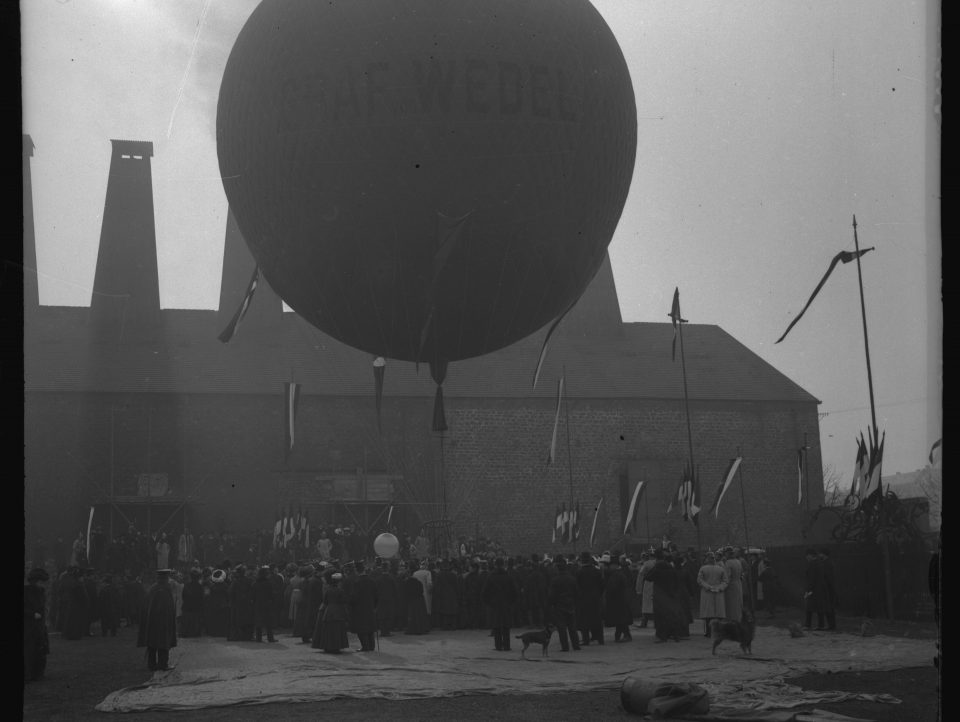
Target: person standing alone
158, 623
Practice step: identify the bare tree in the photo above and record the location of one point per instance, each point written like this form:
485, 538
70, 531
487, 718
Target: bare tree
834, 490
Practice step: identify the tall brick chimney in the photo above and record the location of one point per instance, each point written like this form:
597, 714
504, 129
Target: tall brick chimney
126, 288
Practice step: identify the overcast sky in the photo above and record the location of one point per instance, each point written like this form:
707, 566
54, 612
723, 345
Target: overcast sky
763, 127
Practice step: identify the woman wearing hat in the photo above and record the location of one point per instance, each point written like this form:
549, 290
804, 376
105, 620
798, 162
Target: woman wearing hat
330, 632
712, 580
36, 644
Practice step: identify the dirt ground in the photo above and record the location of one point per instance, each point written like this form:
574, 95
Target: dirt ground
81, 673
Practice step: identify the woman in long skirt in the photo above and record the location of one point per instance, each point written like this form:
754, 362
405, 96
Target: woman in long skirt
330, 633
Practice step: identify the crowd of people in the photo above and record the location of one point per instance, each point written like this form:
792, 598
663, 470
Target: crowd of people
320, 600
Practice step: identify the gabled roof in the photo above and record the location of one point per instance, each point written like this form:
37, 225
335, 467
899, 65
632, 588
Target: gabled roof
186, 357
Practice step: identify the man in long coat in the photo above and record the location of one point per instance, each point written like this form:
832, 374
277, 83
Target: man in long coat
387, 594
562, 602
616, 601
363, 607
264, 605
589, 601
158, 623
241, 606
817, 592
733, 594
446, 597
712, 580
669, 619
500, 594
313, 588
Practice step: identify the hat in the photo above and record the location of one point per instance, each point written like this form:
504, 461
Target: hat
605, 559
218, 576
336, 576
164, 572
239, 569
586, 558
38, 575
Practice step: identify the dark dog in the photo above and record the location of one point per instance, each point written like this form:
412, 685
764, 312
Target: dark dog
540, 636
740, 632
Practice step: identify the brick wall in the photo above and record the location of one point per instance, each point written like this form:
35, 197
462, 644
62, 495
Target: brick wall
226, 453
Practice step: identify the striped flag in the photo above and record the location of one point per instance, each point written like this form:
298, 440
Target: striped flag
565, 525
871, 480
634, 509
231, 330
291, 399
725, 484
551, 457
844, 257
596, 513
859, 471
799, 475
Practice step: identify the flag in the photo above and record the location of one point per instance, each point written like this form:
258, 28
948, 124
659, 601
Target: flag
379, 365
576, 523
390, 515
89, 528
306, 529
596, 513
691, 506
291, 398
298, 533
871, 480
565, 525
551, 457
675, 319
546, 340
288, 530
844, 257
676, 496
634, 508
799, 475
557, 525
935, 453
231, 330
725, 484
278, 532
859, 469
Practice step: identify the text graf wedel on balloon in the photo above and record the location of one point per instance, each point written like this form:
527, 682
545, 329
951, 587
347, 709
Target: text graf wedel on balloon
427, 181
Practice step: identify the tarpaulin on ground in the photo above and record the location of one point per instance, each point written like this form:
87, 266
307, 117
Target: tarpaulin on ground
216, 673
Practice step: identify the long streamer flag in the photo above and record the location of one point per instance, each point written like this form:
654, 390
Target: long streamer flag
546, 340
379, 365
89, 528
390, 515
575, 524
551, 457
231, 330
557, 526
691, 506
634, 509
799, 475
291, 399
725, 484
596, 513
842, 257
676, 320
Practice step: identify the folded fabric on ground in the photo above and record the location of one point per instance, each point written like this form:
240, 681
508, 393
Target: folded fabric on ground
216, 673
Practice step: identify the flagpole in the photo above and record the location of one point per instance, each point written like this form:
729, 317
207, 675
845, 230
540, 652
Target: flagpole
686, 403
566, 411
863, 313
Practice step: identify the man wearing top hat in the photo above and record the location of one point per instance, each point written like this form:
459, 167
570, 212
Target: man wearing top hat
363, 607
158, 623
589, 600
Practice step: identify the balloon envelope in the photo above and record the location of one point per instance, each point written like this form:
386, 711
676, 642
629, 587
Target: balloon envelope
386, 545
425, 179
